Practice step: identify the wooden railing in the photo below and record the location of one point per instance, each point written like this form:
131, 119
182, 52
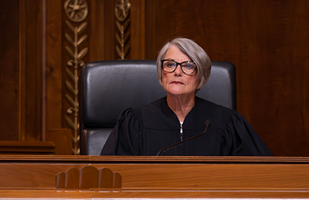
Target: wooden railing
155, 177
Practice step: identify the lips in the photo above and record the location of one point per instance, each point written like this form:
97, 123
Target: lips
176, 82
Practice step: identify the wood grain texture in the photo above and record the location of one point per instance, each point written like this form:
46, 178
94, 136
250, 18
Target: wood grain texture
53, 66
163, 176
138, 29
88, 177
109, 30
158, 194
62, 139
267, 41
21, 70
9, 71
25, 147
31, 72
97, 19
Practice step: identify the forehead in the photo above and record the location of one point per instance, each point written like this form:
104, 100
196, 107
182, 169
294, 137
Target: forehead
176, 54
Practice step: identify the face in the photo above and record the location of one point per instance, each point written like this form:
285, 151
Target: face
178, 83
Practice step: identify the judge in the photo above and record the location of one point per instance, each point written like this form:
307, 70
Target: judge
183, 67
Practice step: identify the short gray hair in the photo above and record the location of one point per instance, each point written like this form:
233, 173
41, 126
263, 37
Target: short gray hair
194, 52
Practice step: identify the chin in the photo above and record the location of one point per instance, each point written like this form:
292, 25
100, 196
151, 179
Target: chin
177, 93
175, 89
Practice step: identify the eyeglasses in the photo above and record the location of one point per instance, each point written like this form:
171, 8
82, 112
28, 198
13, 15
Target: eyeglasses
187, 67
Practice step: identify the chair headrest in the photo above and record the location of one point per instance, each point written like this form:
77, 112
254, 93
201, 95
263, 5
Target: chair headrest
109, 87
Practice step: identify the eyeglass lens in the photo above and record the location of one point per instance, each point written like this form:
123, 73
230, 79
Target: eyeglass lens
187, 67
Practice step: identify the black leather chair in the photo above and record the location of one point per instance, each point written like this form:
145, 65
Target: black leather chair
108, 87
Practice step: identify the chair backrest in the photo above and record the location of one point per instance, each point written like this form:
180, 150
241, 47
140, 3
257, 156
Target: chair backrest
108, 87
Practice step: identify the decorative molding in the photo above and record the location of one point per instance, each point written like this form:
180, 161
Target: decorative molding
88, 177
77, 11
27, 147
122, 10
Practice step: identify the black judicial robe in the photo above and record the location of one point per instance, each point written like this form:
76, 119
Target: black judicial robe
147, 129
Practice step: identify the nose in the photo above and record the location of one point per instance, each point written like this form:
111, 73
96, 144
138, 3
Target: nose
178, 70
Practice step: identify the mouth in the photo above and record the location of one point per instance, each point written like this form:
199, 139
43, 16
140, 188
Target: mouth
176, 82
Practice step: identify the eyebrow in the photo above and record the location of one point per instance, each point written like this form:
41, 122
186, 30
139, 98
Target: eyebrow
170, 59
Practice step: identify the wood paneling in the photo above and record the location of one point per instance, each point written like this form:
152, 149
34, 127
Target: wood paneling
166, 176
267, 41
9, 70
53, 65
25, 147
138, 36
31, 69
88, 177
62, 139
97, 23
21, 70
109, 30
99, 194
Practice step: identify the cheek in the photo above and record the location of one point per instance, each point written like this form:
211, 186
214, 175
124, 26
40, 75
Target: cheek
194, 81
197, 81
164, 77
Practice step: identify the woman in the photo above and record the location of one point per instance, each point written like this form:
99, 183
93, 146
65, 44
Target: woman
183, 67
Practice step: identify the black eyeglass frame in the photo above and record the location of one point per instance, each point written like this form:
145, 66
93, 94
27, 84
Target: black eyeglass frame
177, 63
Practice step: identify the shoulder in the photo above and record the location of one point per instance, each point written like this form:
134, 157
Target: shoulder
227, 120
137, 110
153, 107
156, 115
137, 113
219, 115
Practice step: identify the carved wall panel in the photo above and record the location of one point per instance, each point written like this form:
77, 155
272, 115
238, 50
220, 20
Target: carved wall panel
76, 11
122, 34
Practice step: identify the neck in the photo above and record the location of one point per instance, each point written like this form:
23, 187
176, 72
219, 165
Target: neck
181, 106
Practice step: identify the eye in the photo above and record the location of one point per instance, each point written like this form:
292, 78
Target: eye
170, 64
188, 65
